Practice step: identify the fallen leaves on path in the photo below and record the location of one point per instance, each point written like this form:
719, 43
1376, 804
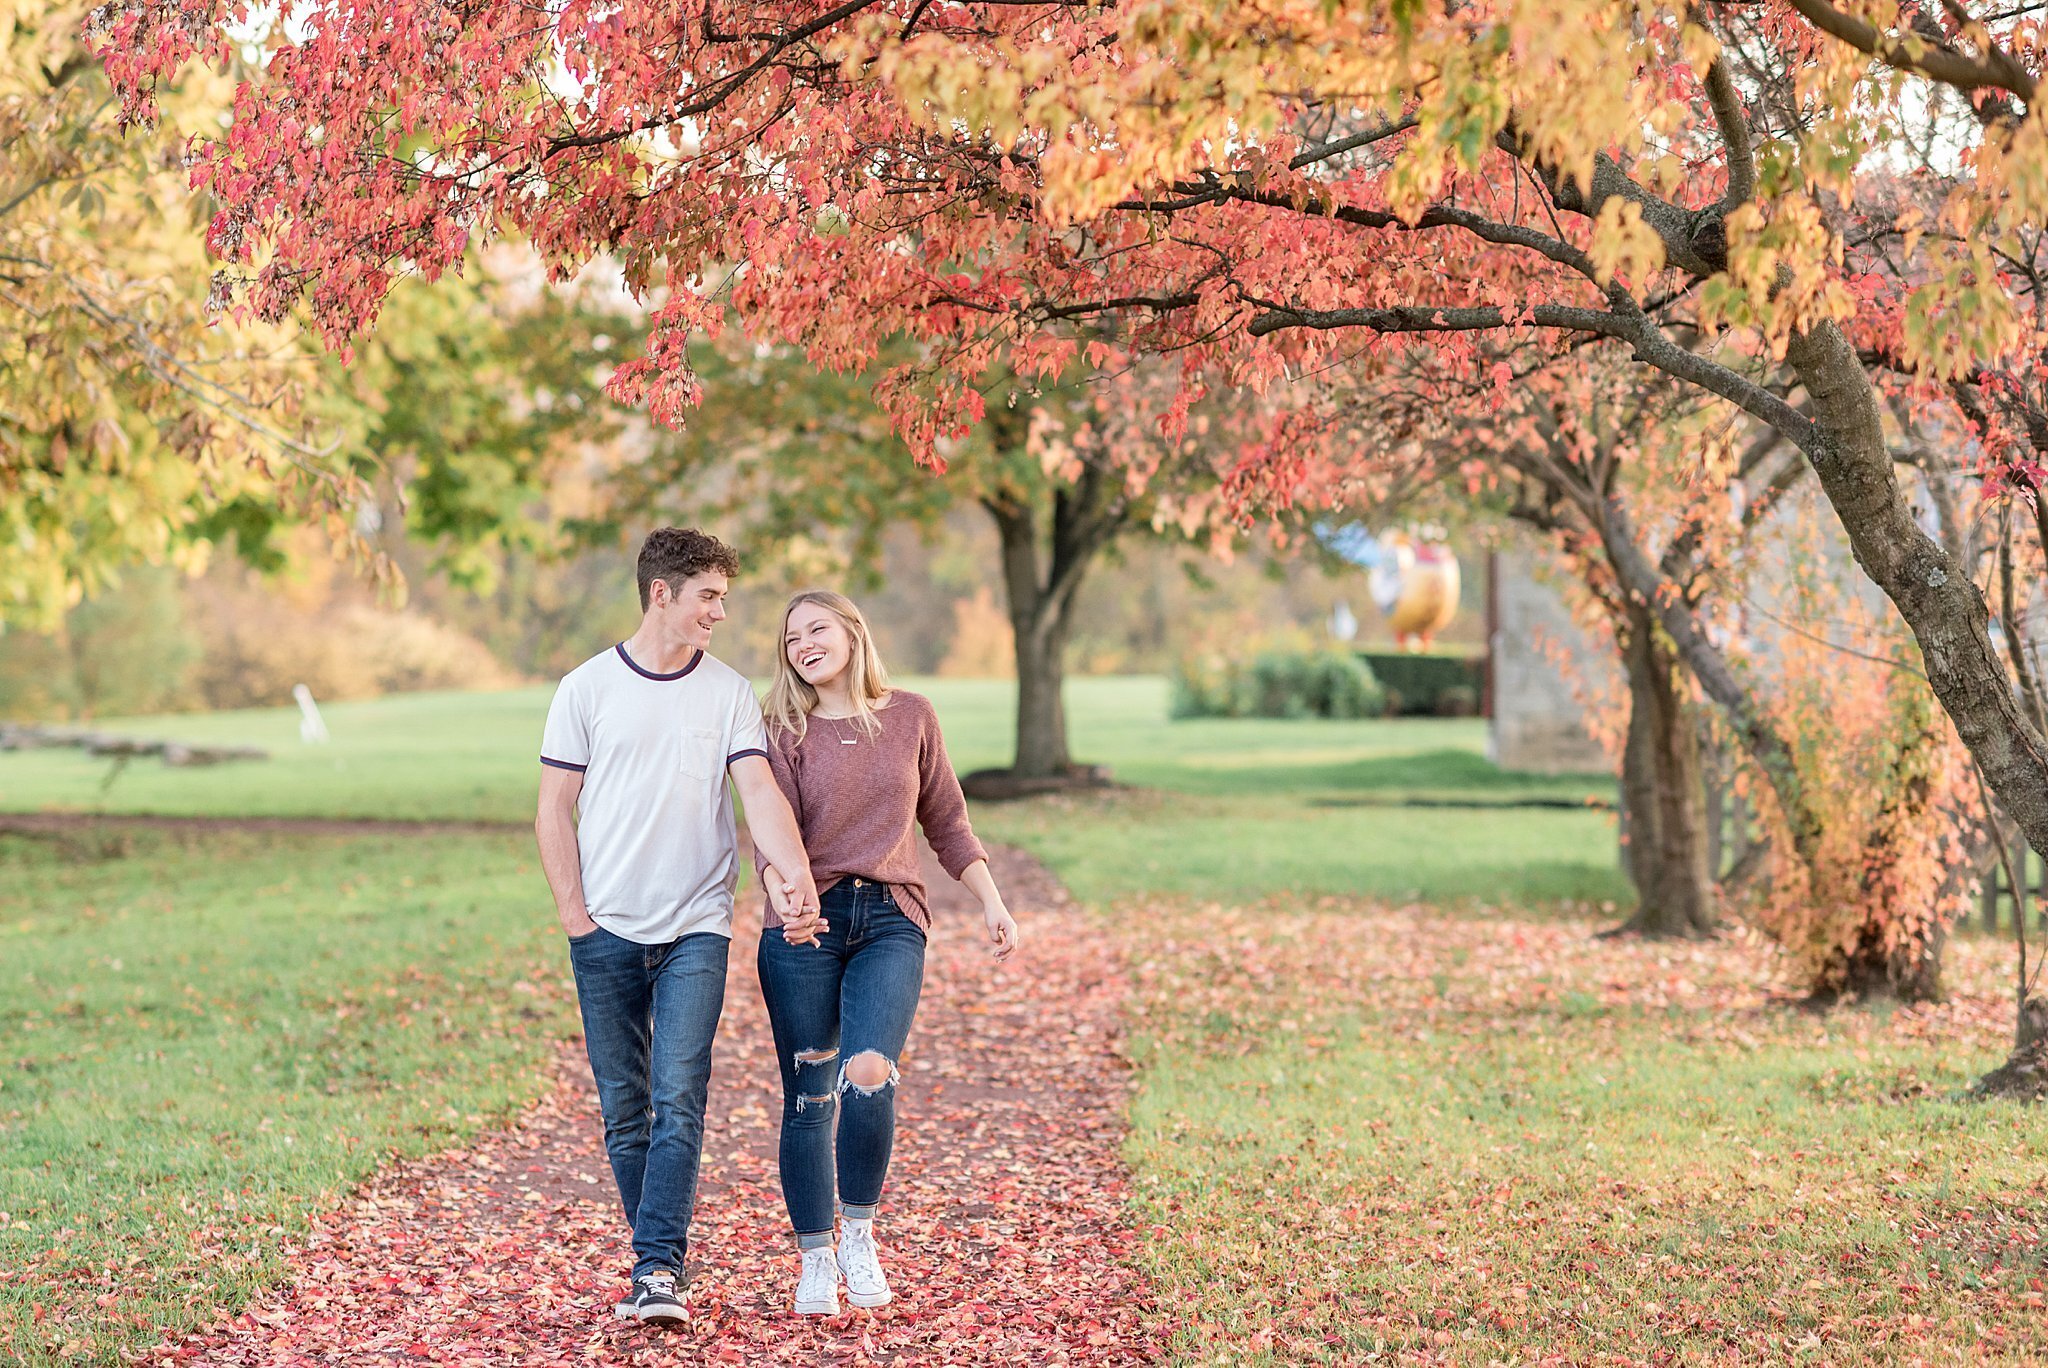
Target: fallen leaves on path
1005, 1224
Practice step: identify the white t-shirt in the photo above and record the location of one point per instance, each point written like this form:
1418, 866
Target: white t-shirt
656, 834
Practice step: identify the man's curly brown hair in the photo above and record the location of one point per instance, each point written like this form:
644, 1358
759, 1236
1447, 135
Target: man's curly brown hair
673, 554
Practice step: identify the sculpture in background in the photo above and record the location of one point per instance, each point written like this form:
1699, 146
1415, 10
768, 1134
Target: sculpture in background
1414, 580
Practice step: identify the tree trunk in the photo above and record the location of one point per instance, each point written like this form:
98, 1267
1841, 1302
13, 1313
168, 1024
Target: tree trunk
1041, 702
1714, 769
1937, 598
1645, 584
1086, 517
1870, 972
1665, 791
1638, 799
2024, 1075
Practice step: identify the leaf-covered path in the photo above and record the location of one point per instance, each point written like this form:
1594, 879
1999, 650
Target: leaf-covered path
1005, 1223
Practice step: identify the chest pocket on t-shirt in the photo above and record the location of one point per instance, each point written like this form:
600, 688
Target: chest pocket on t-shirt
701, 747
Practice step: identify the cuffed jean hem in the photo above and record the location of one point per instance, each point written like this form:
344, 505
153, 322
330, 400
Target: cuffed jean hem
859, 1211
820, 1240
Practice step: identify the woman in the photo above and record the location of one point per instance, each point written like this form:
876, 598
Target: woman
862, 765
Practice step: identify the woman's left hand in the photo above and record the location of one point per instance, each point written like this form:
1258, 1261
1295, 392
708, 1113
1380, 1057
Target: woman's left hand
1002, 929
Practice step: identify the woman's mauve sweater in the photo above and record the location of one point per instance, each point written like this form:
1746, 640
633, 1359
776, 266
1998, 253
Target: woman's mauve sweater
860, 798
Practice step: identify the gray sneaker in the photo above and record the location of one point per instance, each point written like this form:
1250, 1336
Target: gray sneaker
656, 1298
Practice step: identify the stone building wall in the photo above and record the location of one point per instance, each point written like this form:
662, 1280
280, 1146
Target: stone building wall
1537, 723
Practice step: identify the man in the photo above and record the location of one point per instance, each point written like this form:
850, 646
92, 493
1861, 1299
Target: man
642, 737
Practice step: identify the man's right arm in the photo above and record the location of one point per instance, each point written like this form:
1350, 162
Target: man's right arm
772, 824
554, 826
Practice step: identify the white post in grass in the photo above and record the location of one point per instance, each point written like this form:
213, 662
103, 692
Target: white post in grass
312, 730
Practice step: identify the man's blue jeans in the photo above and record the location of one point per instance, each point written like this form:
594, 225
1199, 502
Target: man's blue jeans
853, 993
649, 1013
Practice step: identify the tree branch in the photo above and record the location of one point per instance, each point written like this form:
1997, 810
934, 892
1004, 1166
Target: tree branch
1192, 196
721, 89
1412, 318
1717, 678
1693, 242
1337, 148
1158, 302
1085, 519
1937, 61
1650, 346
1734, 126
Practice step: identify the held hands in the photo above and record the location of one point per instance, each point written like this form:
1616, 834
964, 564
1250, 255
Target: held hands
803, 921
1002, 929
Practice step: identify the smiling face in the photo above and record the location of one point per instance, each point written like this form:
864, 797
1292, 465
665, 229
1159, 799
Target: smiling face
695, 608
816, 644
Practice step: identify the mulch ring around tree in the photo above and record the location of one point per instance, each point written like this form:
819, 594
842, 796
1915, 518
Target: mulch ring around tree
1004, 1228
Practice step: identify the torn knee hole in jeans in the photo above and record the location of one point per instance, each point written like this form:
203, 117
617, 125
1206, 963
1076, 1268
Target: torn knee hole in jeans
870, 1063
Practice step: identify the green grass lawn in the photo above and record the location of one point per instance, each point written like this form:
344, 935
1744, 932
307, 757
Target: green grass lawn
1240, 809
1362, 1135
206, 1040
1233, 808
464, 756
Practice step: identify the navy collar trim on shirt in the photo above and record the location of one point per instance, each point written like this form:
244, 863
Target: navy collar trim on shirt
634, 665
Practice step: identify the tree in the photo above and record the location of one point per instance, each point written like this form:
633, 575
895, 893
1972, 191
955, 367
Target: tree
127, 421
476, 414
1600, 460
1615, 472
1063, 471
1656, 504
1260, 190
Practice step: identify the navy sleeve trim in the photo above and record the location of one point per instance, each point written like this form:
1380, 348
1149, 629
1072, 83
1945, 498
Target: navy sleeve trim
740, 755
563, 764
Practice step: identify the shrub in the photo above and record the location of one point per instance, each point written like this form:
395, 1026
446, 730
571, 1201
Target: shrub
1204, 686
128, 650
1277, 683
1459, 700
257, 644
1416, 682
982, 646
1893, 804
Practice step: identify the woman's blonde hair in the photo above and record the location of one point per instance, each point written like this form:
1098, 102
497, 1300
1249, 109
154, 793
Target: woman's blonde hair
790, 700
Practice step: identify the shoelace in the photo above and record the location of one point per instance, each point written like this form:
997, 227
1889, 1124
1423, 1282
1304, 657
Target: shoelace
662, 1283
819, 1267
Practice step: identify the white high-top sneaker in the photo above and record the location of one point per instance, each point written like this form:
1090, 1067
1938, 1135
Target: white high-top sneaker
861, 1261
817, 1291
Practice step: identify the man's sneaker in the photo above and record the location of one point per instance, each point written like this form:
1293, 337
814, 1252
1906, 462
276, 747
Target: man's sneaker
817, 1291
654, 1298
861, 1262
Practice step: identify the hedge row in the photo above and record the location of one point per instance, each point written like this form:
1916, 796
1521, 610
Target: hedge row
1326, 683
